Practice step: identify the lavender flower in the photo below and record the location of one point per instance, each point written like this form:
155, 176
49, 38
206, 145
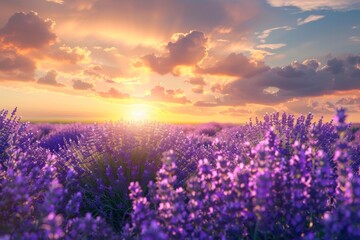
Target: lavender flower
279, 177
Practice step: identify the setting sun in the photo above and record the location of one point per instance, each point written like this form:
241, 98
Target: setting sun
139, 112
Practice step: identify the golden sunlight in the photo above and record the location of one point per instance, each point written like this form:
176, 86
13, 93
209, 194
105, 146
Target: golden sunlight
139, 112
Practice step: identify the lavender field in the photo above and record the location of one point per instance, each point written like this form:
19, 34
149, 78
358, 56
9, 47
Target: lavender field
280, 177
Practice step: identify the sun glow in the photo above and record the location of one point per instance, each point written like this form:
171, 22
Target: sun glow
139, 112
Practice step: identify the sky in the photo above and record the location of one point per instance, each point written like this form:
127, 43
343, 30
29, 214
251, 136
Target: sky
184, 61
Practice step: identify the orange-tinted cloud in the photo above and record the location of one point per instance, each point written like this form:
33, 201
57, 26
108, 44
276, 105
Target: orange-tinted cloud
28, 30
217, 87
207, 104
349, 101
81, 85
14, 66
81, 5
112, 63
56, 1
313, 106
50, 79
94, 70
187, 50
33, 44
199, 81
70, 55
236, 65
198, 89
159, 93
114, 93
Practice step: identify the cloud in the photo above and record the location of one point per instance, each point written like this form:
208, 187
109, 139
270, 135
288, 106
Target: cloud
217, 87
71, 55
81, 85
349, 101
14, 66
206, 104
113, 64
186, 50
50, 79
199, 81
235, 65
353, 60
271, 46
296, 80
94, 70
335, 66
309, 19
81, 5
311, 106
355, 39
323, 106
110, 81
203, 14
266, 33
28, 30
199, 84
56, 1
307, 5
198, 89
159, 93
352, 104
265, 110
113, 93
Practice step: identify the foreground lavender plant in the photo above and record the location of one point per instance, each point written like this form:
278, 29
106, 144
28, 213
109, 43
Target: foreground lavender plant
289, 186
276, 178
344, 221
